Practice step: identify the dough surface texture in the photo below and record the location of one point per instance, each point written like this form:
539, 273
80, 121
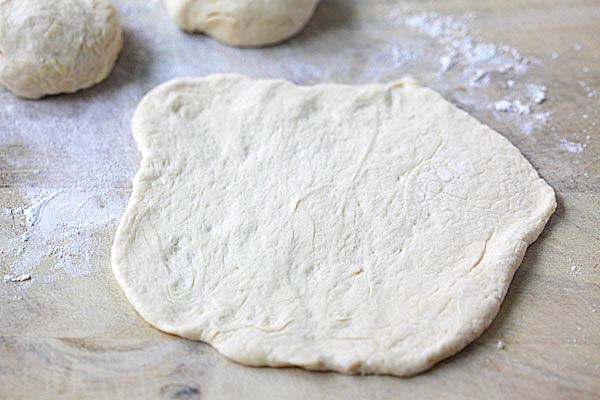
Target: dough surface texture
361, 229
243, 22
56, 46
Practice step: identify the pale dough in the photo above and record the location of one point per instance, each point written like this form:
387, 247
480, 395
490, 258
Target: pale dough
243, 22
56, 46
361, 229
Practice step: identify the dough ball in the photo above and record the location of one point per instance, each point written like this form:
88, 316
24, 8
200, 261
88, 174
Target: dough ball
56, 46
243, 22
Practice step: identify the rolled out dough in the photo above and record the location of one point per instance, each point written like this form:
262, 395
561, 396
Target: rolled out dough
361, 229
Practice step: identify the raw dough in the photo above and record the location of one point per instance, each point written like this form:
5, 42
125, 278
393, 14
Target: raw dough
56, 46
370, 229
243, 22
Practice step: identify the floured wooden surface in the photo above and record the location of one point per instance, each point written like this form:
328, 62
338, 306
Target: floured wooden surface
66, 164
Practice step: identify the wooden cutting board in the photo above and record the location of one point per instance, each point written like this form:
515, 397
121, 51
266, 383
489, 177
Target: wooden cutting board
66, 163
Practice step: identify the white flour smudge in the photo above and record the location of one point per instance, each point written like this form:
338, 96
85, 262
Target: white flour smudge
59, 224
537, 93
512, 107
571, 147
16, 278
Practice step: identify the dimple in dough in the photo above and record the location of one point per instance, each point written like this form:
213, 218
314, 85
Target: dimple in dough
56, 46
243, 22
361, 229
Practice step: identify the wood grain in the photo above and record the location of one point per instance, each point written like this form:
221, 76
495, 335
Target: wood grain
76, 337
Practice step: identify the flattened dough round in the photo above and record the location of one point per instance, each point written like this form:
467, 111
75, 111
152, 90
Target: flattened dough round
243, 22
370, 229
56, 46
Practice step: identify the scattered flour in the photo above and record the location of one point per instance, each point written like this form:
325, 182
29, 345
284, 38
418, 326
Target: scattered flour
16, 278
537, 93
59, 224
588, 90
468, 65
544, 116
571, 147
512, 107
477, 60
479, 64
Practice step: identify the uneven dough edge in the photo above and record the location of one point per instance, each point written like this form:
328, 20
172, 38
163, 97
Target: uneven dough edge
507, 262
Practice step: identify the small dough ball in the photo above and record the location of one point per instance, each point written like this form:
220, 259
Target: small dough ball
56, 46
243, 22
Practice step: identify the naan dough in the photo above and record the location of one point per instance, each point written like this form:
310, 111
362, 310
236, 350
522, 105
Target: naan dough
243, 22
361, 229
56, 46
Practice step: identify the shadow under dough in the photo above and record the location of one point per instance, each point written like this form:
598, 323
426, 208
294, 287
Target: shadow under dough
329, 15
